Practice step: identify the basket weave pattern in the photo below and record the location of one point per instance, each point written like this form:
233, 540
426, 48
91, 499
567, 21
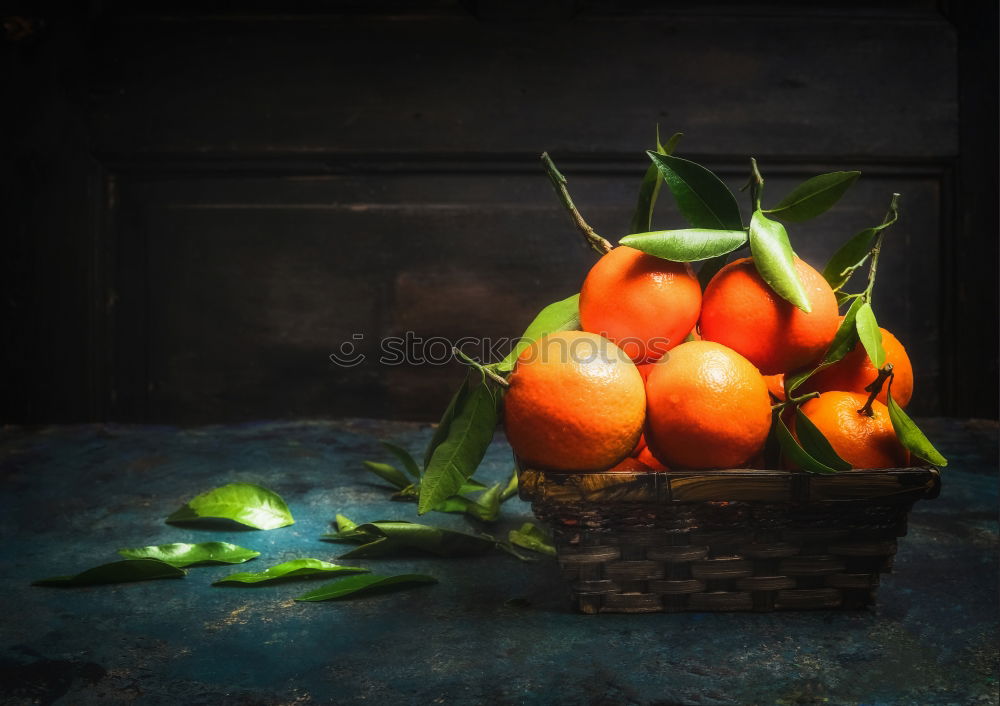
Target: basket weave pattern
784, 541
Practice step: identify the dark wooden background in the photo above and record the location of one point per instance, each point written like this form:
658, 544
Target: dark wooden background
200, 206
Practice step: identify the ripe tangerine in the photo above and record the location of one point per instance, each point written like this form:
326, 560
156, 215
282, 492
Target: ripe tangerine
575, 402
741, 311
863, 441
707, 407
645, 304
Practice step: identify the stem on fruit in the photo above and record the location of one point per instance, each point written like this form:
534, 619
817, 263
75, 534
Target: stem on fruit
794, 400
756, 185
802, 398
874, 388
498, 379
890, 217
594, 241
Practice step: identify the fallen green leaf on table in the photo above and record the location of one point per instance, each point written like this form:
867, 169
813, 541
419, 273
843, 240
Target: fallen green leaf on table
532, 537
370, 583
511, 488
183, 554
409, 463
388, 473
117, 572
245, 503
385, 538
486, 507
296, 568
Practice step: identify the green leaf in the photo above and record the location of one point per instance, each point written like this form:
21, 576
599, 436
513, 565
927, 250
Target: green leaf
182, 554
848, 258
813, 196
486, 507
649, 189
388, 473
459, 454
471, 486
910, 436
816, 445
370, 583
856, 251
688, 245
344, 524
775, 261
386, 538
843, 343
117, 572
511, 488
870, 335
532, 537
296, 568
563, 315
846, 337
404, 456
441, 432
794, 451
703, 200
245, 503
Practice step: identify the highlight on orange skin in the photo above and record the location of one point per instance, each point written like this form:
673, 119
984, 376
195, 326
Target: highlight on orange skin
708, 407
645, 304
575, 403
741, 311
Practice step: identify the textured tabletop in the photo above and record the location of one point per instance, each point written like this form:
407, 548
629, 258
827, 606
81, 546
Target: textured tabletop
72, 496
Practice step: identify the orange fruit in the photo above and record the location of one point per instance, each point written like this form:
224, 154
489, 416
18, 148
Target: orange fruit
645, 304
707, 407
575, 402
862, 441
855, 370
639, 446
776, 386
629, 465
740, 311
646, 457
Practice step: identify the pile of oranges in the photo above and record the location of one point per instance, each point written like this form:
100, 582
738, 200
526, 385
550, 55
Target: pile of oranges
666, 376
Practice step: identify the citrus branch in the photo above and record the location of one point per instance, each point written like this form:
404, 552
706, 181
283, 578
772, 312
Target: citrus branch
890, 217
596, 242
794, 400
756, 185
485, 370
874, 388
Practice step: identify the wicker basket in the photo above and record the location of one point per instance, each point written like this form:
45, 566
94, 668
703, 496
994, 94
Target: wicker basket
726, 540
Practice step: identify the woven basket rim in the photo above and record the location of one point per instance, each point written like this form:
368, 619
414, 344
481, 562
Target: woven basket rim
715, 484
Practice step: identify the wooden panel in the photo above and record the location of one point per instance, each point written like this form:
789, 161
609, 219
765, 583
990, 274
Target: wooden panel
445, 82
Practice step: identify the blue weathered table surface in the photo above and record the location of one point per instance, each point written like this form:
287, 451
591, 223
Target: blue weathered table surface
73, 495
